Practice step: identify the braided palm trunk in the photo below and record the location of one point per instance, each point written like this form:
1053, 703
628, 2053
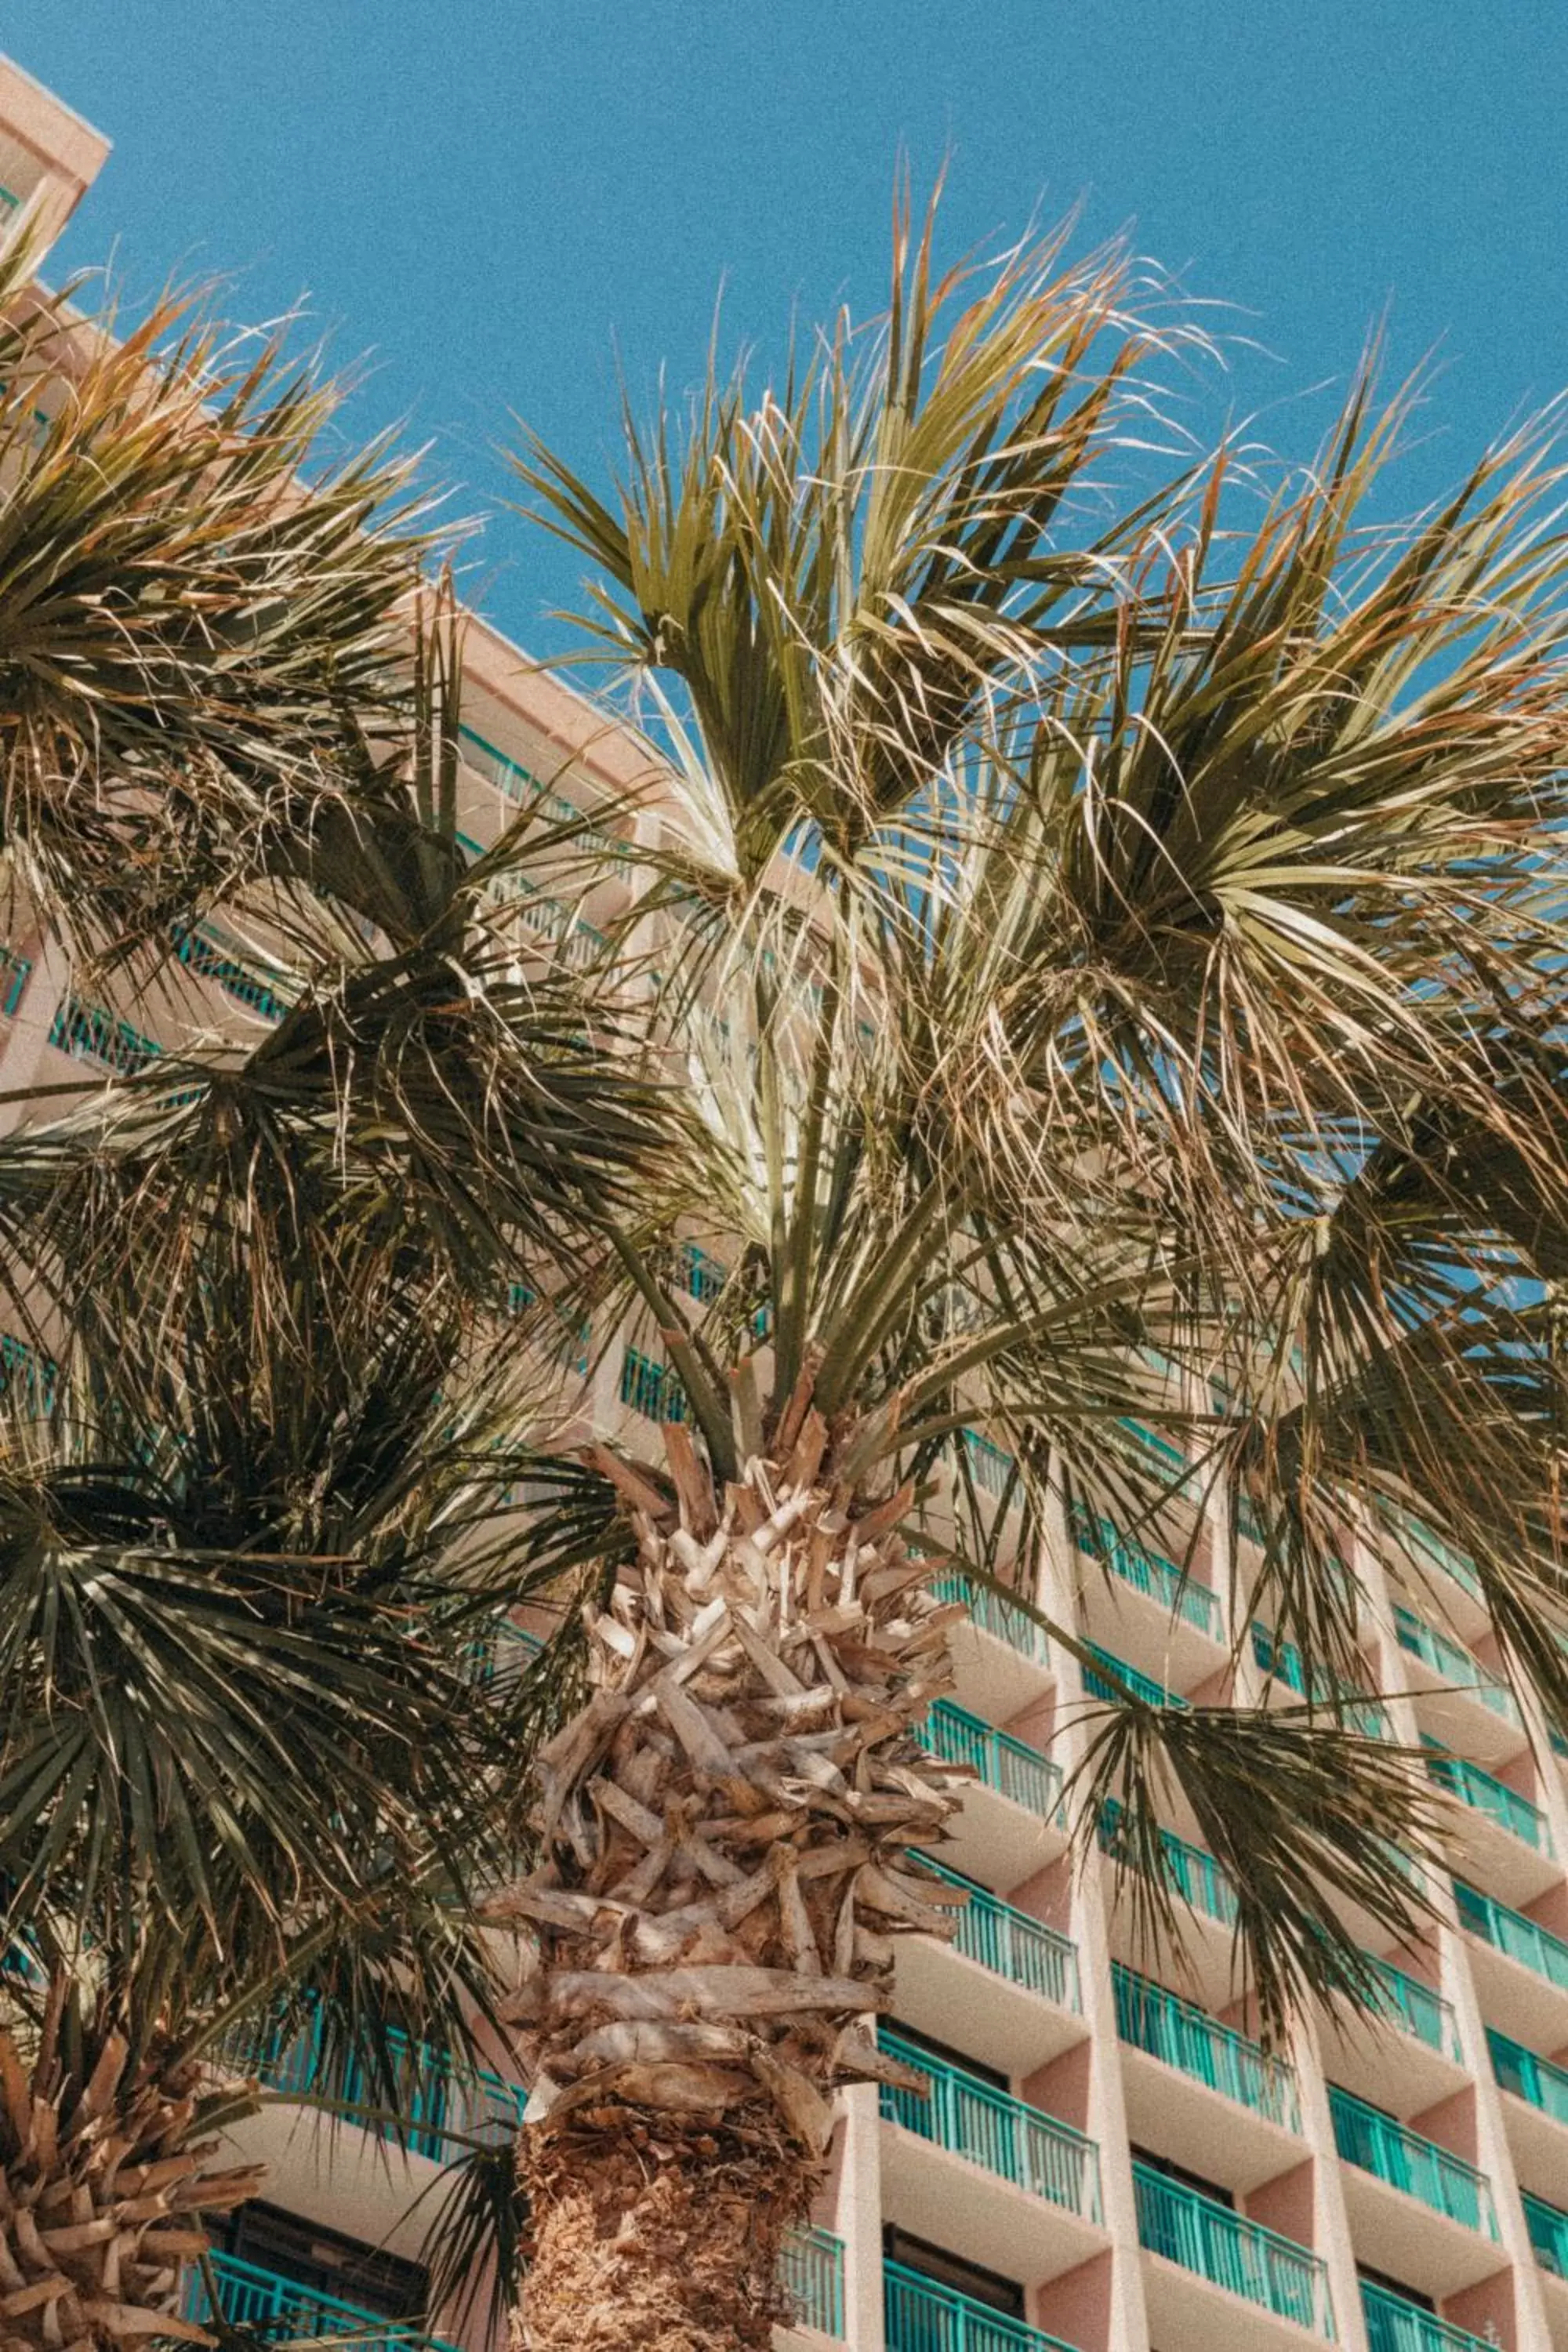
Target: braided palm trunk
103, 2188
724, 1825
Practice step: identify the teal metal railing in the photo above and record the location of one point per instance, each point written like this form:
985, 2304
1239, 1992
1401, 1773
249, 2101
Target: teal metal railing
251, 2297
1406, 2003
1395, 2326
92, 1033
1113, 1680
1407, 2161
1513, 1932
1283, 1661
1452, 1659
1548, 2227
811, 2270
1538, 2079
920, 2315
1188, 1870
994, 1613
1147, 1572
1204, 2236
997, 1759
1488, 1795
14, 971
990, 2128
435, 2102
1163, 1449
503, 1654
519, 783
1430, 1546
202, 951
651, 1388
1012, 1945
991, 1465
1183, 2035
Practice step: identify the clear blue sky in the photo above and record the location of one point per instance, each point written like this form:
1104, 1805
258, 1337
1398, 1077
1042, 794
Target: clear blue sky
486, 199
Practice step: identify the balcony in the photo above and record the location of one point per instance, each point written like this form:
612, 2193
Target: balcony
921, 2315
1180, 2034
1515, 1958
1011, 1824
1425, 2213
438, 2105
1548, 2227
1535, 2110
1168, 1624
1198, 2235
1521, 1862
1414, 2008
1148, 1572
1416, 2063
254, 2298
1001, 1659
1196, 1880
1465, 1701
1395, 2326
1021, 2011
973, 2167
1179, 2063
1113, 1680
1282, 1663
90, 1032
811, 2268
994, 1470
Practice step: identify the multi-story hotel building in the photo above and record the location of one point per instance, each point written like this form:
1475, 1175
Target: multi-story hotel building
1108, 2159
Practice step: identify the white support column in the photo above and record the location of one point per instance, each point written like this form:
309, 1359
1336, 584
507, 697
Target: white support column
858, 2220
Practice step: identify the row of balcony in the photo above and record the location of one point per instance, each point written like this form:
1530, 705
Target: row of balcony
251, 2297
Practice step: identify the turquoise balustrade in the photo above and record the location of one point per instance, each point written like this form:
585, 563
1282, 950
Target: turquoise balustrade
1182, 2035
1119, 1680
1513, 1932
651, 1388
1188, 1870
1407, 2161
504, 1654
1538, 2079
519, 783
1548, 2227
92, 1033
251, 2297
1406, 2003
1393, 2324
1012, 1945
203, 950
1487, 1794
990, 2128
1206, 2237
1452, 1659
14, 971
1428, 1544
1165, 1449
1282, 1660
920, 2315
995, 1615
438, 2106
1147, 1572
811, 2270
996, 1759
991, 1465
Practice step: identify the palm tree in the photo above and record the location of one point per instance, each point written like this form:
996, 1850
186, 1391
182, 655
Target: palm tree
1112, 966
252, 1518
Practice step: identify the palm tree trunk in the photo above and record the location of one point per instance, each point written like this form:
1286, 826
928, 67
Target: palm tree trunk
654, 2233
103, 2190
725, 1826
